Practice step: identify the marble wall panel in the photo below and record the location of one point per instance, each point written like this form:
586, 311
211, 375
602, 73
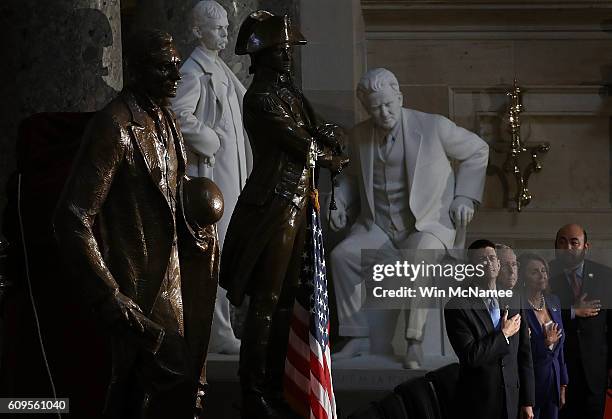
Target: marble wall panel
426, 98
563, 62
443, 62
574, 176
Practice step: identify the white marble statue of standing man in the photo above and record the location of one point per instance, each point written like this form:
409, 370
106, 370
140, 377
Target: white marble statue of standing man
409, 198
208, 105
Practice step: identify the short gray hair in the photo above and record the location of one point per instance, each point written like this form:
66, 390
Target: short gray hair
375, 80
207, 9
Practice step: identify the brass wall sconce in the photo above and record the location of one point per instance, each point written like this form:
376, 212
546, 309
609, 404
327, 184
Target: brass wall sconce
517, 148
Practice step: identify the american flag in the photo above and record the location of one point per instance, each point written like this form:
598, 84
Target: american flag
308, 382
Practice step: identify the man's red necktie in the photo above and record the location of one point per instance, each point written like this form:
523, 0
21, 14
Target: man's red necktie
576, 284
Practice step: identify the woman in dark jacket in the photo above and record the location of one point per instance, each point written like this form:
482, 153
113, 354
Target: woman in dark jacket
543, 313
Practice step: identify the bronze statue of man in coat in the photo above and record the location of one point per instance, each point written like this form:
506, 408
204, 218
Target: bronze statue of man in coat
141, 241
263, 246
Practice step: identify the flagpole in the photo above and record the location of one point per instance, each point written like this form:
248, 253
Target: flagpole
312, 163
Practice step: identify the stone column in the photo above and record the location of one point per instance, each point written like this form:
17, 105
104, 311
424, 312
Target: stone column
62, 56
334, 58
332, 62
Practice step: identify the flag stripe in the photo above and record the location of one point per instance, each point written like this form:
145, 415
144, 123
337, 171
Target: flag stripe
297, 377
320, 373
299, 345
301, 314
296, 397
308, 382
298, 362
319, 403
326, 364
319, 393
300, 330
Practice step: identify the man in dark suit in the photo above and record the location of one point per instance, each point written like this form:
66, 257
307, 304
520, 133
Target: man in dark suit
582, 288
491, 339
262, 252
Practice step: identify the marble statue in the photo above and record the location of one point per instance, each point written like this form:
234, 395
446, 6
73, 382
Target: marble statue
140, 240
208, 105
409, 198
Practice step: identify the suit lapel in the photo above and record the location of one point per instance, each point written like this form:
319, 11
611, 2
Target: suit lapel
413, 137
555, 312
590, 284
143, 139
179, 146
366, 154
482, 313
208, 67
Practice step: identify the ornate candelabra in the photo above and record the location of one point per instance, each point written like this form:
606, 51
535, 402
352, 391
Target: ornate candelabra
517, 148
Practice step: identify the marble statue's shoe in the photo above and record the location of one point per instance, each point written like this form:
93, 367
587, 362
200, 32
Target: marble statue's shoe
414, 355
354, 347
228, 346
411, 364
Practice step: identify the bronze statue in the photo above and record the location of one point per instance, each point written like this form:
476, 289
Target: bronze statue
141, 257
263, 246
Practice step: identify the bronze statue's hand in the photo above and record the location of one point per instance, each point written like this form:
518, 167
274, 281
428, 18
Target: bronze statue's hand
120, 309
329, 131
329, 135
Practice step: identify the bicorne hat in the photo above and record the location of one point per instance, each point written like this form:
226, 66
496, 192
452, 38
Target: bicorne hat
262, 29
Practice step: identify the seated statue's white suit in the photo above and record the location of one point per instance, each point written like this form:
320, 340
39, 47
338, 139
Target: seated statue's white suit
401, 182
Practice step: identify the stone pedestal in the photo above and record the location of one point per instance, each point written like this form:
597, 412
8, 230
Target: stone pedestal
357, 381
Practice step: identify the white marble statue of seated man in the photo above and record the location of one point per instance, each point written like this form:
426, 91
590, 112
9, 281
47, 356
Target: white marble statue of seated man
408, 197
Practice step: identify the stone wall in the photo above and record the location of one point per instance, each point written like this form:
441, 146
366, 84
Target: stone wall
58, 56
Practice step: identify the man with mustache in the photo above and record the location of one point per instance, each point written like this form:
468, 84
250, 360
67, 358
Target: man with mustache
581, 286
208, 105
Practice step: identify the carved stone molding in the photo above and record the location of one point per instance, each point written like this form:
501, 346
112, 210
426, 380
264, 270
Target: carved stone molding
403, 19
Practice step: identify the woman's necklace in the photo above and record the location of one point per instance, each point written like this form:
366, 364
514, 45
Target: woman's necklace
541, 306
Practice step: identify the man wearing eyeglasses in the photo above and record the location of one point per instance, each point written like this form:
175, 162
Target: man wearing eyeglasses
508, 266
490, 337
